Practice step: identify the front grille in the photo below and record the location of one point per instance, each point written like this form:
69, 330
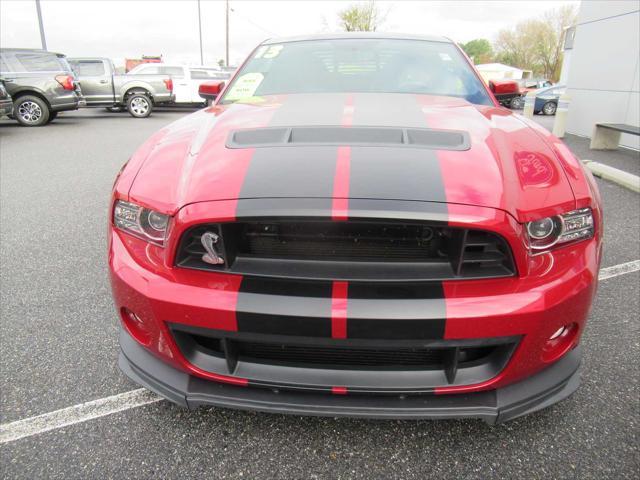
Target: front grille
338, 357
445, 361
354, 250
372, 242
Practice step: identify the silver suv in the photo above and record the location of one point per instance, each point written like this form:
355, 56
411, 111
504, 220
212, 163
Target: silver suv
41, 84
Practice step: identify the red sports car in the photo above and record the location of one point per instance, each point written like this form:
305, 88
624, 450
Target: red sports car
355, 228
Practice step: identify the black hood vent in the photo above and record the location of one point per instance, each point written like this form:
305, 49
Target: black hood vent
350, 136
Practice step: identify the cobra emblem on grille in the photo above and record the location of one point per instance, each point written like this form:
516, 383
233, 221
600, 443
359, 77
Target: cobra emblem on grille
209, 239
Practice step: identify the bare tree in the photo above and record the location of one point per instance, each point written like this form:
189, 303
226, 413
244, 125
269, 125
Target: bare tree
537, 44
550, 51
361, 17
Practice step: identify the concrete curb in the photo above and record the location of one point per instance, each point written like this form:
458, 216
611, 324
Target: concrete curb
620, 177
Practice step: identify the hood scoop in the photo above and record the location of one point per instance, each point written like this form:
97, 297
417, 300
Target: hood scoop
350, 136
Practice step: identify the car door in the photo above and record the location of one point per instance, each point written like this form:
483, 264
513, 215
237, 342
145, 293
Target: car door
95, 81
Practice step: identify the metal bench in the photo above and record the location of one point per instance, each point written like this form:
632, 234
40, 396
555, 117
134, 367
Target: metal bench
606, 136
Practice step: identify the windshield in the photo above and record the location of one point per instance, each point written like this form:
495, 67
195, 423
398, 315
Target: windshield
358, 65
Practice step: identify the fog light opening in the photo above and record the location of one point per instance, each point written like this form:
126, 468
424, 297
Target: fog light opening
559, 342
135, 326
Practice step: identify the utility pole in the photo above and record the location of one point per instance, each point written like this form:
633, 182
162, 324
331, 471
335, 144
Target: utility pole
227, 33
42, 40
200, 30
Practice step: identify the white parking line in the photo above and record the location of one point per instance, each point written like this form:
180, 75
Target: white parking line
10, 432
619, 269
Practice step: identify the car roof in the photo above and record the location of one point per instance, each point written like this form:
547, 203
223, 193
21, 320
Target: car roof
31, 50
88, 58
358, 35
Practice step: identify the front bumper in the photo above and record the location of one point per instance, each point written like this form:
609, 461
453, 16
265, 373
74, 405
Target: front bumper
553, 384
552, 290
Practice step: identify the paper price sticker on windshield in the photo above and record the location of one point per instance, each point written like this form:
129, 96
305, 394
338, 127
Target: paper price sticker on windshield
245, 86
268, 51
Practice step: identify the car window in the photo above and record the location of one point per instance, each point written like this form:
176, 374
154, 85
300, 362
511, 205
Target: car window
89, 68
201, 74
175, 72
39, 62
358, 65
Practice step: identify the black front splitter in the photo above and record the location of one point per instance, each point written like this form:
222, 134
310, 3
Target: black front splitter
534, 393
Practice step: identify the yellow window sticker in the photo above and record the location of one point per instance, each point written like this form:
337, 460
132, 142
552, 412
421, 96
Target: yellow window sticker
245, 86
268, 51
260, 51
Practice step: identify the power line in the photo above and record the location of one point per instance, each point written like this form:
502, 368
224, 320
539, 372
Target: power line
266, 30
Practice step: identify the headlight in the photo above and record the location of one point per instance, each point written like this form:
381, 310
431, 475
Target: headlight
141, 222
569, 227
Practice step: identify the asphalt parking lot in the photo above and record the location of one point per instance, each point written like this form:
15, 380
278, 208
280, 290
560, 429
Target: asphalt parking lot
59, 348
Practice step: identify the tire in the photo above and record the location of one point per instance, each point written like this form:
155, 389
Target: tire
115, 109
52, 117
31, 111
139, 105
517, 103
549, 108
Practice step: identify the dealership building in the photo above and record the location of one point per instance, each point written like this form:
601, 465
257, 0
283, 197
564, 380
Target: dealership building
602, 69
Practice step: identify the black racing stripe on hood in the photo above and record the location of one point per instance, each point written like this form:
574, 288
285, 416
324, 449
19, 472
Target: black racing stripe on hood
310, 109
291, 172
396, 173
306, 171
393, 173
283, 207
389, 110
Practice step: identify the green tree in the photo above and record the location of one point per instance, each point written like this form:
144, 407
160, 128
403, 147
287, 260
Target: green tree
361, 17
478, 50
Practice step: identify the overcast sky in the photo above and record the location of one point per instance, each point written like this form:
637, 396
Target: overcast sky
120, 29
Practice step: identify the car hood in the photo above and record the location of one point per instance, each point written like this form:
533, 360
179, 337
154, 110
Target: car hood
374, 146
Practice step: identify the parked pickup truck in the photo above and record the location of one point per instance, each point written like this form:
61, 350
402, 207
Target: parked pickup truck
102, 87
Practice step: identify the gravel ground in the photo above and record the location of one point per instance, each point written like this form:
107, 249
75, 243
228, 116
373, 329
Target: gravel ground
54, 190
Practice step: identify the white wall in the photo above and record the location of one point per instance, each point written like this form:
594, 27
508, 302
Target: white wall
566, 67
605, 69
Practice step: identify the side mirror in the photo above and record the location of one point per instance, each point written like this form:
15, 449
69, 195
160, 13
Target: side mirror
492, 86
210, 90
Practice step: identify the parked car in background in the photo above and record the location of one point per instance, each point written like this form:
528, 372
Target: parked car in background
527, 85
41, 84
6, 102
102, 87
504, 91
547, 99
186, 79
